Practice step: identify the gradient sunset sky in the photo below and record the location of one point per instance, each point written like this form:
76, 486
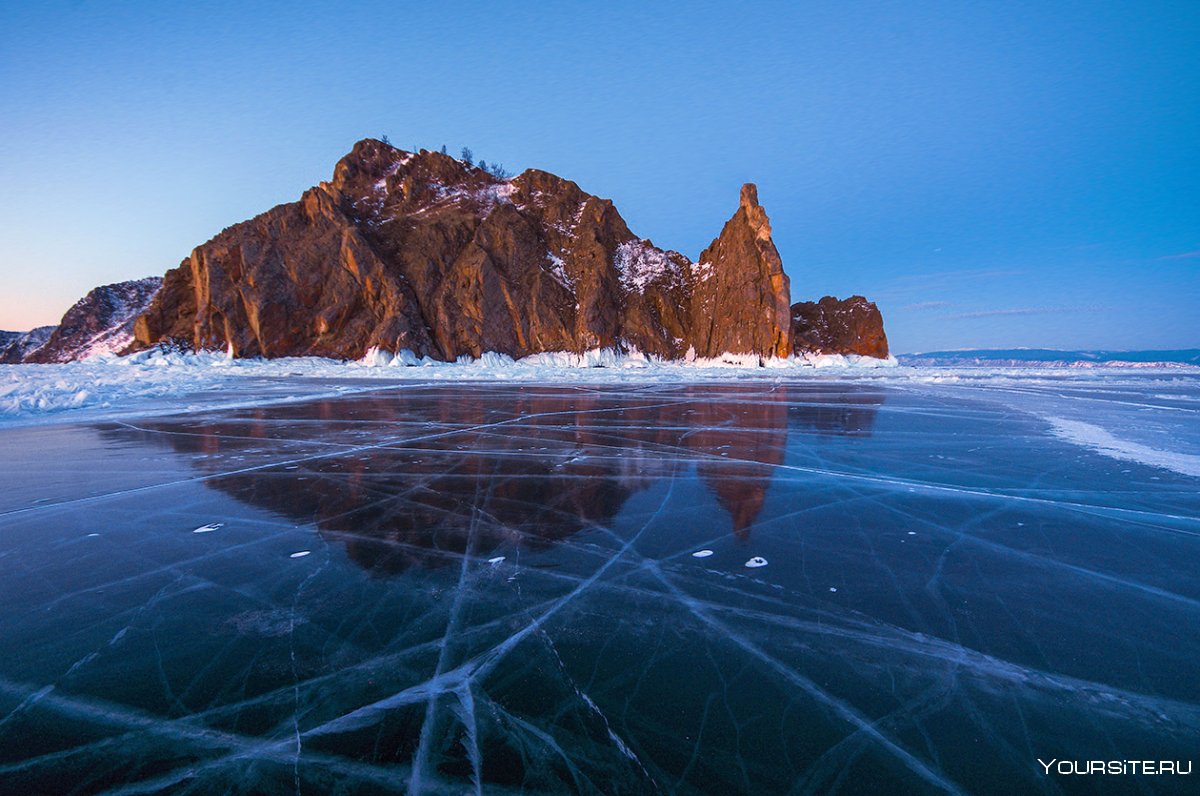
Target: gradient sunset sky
993, 174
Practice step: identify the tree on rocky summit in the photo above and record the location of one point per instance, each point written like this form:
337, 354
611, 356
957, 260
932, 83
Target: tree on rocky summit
444, 152
498, 171
385, 139
468, 156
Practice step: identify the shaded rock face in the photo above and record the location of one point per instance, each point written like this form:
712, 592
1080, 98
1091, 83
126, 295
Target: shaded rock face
741, 294
833, 326
99, 323
420, 251
15, 346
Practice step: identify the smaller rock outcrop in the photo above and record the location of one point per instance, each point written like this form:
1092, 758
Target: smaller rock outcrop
15, 346
833, 326
100, 323
740, 294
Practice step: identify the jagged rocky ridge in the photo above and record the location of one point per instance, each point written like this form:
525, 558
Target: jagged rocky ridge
15, 346
423, 252
99, 323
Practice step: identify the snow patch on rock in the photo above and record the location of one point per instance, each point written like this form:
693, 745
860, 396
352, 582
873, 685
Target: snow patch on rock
640, 265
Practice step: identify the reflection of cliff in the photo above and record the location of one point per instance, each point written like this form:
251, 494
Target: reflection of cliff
739, 434
442, 470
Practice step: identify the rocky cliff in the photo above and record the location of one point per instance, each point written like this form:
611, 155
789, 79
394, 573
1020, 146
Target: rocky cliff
423, 252
832, 326
740, 296
99, 323
15, 346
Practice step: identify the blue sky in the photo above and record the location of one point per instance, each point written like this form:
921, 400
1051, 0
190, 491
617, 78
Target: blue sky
993, 174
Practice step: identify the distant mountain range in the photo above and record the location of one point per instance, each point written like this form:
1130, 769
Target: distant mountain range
423, 252
1049, 357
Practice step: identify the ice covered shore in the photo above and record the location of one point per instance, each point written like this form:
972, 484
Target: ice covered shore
159, 380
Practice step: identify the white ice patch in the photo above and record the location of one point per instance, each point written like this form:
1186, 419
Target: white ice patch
847, 361
300, 554
1103, 442
214, 526
702, 554
155, 380
727, 359
756, 562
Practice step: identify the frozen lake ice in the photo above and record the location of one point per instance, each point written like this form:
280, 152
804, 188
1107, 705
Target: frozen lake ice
449, 588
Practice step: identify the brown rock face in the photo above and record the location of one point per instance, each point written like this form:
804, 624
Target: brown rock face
423, 252
299, 279
832, 326
741, 294
101, 322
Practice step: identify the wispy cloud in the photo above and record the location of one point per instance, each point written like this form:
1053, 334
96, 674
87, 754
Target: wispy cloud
1022, 311
927, 305
926, 283
1181, 256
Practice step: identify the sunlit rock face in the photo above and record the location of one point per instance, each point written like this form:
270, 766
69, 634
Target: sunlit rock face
740, 305
423, 252
832, 326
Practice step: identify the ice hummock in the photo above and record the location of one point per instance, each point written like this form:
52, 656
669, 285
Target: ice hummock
157, 379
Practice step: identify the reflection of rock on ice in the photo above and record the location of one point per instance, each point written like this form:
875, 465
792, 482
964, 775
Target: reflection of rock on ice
536, 493
756, 562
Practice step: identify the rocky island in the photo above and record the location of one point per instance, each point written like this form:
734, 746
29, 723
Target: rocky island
425, 253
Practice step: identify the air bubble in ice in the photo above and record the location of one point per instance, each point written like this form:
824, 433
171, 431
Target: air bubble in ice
212, 526
702, 554
757, 561
300, 554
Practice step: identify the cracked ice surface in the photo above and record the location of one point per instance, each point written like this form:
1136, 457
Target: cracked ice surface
501, 591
